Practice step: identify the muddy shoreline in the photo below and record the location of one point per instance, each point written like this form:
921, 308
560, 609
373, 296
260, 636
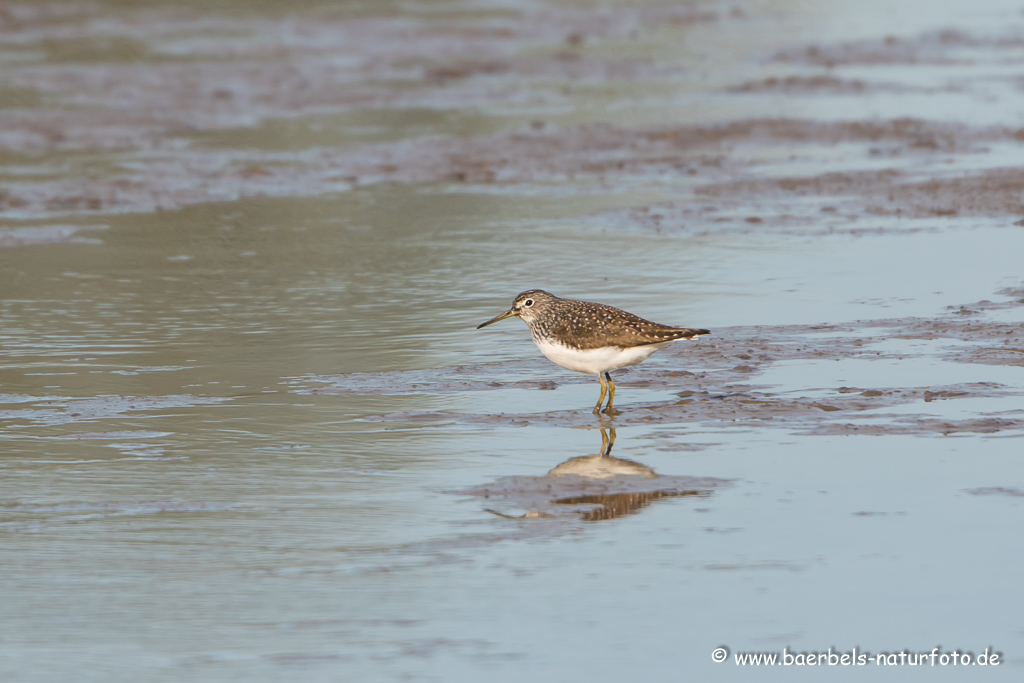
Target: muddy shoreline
121, 113
723, 386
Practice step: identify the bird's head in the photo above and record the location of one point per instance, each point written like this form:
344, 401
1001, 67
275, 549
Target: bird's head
527, 306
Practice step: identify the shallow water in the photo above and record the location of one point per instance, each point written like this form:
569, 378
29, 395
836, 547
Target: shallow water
255, 436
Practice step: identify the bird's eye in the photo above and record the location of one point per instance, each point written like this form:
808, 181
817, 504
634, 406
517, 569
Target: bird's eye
528, 303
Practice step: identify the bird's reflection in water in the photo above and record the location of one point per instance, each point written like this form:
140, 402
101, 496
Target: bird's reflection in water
603, 465
614, 505
592, 487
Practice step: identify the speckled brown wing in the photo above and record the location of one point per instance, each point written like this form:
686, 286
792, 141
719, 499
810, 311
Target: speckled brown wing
633, 330
589, 326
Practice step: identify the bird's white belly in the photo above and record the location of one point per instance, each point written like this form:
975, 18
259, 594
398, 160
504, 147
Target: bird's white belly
595, 361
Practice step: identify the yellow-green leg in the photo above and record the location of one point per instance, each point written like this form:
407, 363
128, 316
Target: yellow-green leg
604, 390
611, 393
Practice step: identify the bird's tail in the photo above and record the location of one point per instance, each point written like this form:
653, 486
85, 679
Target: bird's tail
677, 333
690, 332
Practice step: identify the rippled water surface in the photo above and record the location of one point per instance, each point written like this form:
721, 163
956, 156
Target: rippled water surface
249, 432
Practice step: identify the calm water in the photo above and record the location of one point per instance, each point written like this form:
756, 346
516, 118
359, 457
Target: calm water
178, 502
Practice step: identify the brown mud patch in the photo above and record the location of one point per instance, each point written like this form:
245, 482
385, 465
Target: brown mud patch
892, 193
125, 99
713, 165
996, 491
806, 85
943, 47
139, 76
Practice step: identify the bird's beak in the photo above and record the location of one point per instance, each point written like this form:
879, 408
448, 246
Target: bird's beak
507, 314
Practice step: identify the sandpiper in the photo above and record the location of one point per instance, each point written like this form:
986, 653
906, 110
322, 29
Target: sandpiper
591, 338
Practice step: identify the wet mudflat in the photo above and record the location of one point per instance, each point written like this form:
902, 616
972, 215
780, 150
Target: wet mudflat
247, 429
